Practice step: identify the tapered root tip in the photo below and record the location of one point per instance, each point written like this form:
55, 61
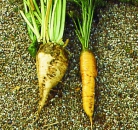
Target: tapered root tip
36, 117
91, 122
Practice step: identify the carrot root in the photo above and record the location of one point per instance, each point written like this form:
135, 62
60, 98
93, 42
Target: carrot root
91, 122
51, 64
88, 73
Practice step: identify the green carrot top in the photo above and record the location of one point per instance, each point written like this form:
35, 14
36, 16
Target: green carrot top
83, 31
47, 22
83, 28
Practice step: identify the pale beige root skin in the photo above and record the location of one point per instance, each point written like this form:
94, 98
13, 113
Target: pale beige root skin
88, 73
51, 64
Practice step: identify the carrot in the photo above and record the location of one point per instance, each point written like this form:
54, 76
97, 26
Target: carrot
46, 25
88, 73
51, 67
87, 59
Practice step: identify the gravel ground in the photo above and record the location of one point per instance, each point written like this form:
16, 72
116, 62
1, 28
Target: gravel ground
114, 41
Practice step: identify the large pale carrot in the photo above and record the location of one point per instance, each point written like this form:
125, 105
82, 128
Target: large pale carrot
87, 59
46, 26
51, 66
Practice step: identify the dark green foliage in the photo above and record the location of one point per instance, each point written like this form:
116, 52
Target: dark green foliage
100, 3
96, 2
33, 47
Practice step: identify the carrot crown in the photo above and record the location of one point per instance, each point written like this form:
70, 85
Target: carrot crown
47, 22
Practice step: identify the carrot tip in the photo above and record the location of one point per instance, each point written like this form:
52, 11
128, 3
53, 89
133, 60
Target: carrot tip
36, 117
91, 122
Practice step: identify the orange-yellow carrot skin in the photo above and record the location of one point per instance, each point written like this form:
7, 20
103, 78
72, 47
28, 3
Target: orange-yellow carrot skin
88, 73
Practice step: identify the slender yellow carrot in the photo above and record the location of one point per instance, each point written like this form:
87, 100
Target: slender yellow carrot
87, 59
88, 73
